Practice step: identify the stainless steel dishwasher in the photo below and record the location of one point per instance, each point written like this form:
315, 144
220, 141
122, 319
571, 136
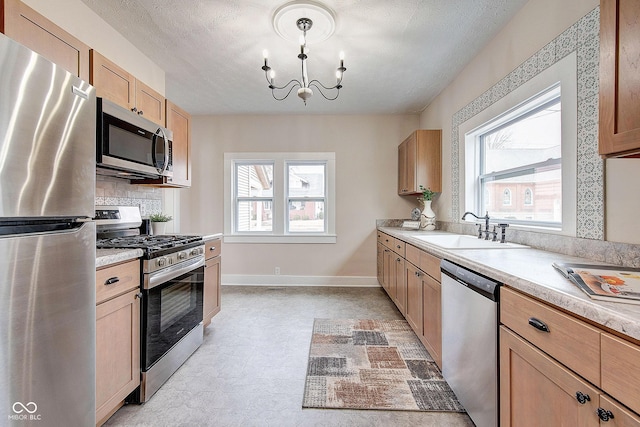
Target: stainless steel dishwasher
470, 340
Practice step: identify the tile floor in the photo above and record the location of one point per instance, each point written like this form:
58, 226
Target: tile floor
251, 369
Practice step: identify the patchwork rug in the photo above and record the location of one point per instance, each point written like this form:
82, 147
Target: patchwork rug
373, 364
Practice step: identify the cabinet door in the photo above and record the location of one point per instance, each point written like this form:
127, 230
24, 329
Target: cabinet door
407, 165
619, 130
389, 273
414, 297
400, 284
117, 352
179, 121
428, 160
111, 81
432, 317
535, 390
380, 263
149, 103
211, 298
28, 27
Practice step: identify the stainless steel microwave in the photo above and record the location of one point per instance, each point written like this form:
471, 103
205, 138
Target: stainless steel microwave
130, 146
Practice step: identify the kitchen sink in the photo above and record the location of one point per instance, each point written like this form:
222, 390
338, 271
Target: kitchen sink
462, 241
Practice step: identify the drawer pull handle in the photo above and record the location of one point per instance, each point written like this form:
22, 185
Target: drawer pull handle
212, 248
112, 280
538, 324
604, 415
582, 398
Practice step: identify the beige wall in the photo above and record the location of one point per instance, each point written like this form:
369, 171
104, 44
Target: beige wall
80, 21
539, 22
366, 164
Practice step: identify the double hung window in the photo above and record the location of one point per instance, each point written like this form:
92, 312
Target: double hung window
520, 160
280, 197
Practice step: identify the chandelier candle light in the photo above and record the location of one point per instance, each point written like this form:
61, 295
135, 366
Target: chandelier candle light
304, 84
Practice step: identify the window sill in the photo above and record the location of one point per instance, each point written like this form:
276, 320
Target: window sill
272, 238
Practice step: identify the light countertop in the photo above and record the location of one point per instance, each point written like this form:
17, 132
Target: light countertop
105, 257
530, 271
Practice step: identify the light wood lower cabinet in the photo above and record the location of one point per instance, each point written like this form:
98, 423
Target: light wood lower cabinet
558, 370
117, 337
413, 284
211, 298
537, 391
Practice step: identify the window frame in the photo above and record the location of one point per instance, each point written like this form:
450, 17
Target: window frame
531, 106
280, 208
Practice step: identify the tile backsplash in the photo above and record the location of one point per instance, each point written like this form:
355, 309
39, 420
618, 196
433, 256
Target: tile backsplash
119, 192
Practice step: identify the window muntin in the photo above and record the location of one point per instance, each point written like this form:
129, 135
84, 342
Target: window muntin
523, 153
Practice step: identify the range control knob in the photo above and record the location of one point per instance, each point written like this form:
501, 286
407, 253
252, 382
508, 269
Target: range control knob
195, 251
182, 255
161, 262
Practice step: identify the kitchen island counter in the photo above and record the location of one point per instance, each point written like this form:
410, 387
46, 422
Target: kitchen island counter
530, 271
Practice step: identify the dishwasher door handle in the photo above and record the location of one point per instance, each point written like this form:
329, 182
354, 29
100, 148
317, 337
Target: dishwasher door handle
539, 324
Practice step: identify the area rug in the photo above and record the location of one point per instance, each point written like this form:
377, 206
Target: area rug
373, 364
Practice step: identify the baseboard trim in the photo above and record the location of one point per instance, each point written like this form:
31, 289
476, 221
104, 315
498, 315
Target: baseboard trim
283, 280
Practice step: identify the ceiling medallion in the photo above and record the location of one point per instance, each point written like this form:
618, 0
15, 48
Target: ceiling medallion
293, 21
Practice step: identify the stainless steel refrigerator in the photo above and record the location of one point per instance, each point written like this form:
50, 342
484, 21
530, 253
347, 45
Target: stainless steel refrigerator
47, 242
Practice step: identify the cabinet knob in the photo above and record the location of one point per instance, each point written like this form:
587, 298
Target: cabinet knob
398, 259
140, 113
604, 415
139, 295
112, 280
134, 109
212, 248
417, 273
539, 324
582, 398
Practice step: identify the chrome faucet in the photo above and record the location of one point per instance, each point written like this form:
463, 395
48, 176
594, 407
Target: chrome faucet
486, 230
485, 217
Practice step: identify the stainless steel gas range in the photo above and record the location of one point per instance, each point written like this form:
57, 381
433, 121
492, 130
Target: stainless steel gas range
172, 269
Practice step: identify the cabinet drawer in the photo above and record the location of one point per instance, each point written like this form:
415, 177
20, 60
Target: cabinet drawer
124, 277
212, 248
431, 265
386, 240
398, 247
568, 340
413, 254
621, 370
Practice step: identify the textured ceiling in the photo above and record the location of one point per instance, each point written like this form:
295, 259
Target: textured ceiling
399, 53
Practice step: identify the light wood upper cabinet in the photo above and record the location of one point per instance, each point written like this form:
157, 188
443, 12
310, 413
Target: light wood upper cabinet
619, 130
420, 162
26, 26
118, 85
179, 122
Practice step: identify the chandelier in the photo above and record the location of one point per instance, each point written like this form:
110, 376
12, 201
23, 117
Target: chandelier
303, 84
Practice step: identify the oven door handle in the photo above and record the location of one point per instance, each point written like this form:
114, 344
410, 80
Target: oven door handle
163, 276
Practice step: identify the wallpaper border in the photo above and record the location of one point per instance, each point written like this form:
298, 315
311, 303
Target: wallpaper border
583, 37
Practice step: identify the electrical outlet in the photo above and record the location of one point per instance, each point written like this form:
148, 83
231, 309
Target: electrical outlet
277, 271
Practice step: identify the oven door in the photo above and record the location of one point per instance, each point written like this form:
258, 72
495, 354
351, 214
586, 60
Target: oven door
170, 310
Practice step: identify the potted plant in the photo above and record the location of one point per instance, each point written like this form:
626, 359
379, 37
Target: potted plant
428, 217
159, 223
